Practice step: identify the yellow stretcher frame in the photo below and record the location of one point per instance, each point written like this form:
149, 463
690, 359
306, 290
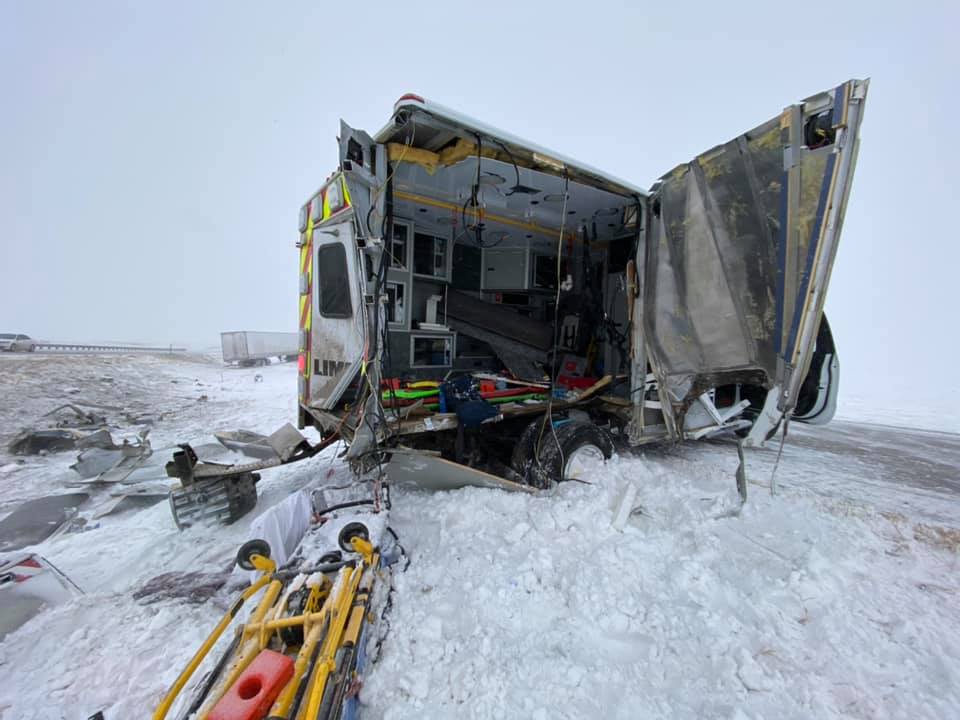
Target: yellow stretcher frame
337, 623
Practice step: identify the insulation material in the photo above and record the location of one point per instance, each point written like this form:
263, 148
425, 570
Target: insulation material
283, 526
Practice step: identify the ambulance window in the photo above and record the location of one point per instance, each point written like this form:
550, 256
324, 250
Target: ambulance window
333, 281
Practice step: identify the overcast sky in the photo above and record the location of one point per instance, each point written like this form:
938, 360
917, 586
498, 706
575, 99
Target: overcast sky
154, 158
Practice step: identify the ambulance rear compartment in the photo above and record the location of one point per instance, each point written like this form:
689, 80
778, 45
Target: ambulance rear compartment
474, 265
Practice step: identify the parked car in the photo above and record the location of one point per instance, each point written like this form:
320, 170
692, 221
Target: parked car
9, 342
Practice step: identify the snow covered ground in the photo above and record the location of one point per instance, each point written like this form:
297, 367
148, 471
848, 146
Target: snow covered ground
835, 598
902, 407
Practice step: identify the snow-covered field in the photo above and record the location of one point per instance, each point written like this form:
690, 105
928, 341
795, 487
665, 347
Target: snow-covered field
835, 598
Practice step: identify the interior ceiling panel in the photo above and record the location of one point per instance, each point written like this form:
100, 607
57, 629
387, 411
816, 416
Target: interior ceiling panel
452, 186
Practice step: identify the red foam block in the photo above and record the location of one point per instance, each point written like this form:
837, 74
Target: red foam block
250, 697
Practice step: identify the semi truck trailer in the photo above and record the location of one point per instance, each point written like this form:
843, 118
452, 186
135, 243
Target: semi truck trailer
249, 348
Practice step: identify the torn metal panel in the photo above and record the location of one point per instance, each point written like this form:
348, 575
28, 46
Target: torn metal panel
36, 520
33, 442
28, 584
136, 498
247, 442
428, 472
100, 439
117, 463
285, 441
501, 323
77, 418
741, 247
95, 461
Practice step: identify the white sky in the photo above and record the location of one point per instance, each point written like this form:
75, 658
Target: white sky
153, 159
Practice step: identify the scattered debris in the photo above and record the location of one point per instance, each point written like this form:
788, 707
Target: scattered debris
194, 587
287, 441
247, 442
415, 468
36, 520
139, 497
78, 419
34, 442
29, 583
282, 444
97, 439
131, 419
210, 491
95, 461
105, 457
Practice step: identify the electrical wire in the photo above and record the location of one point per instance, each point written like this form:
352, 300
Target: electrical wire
375, 195
380, 280
513, 162
776, 464
388, 605
548, 417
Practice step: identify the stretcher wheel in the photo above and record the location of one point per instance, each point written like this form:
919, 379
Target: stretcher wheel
349, 532
249, 549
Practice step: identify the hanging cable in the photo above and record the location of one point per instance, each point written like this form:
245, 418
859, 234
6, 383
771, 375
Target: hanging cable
548, 418
776, 464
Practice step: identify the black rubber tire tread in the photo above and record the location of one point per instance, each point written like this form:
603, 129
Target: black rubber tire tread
571, 436
249, 549
525, 449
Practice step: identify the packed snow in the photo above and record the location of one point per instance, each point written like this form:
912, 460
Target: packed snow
835, 597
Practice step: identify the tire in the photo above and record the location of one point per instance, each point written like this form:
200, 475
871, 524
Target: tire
524, 450
350, 531
249, 549
562, 451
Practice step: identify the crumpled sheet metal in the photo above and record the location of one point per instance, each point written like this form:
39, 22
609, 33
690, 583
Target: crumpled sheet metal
724, 275
33, 442
36, 520
31, 585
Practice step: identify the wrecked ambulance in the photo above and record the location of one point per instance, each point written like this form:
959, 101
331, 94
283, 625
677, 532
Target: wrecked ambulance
473, 303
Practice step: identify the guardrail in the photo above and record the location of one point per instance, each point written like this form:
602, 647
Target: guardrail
83, 347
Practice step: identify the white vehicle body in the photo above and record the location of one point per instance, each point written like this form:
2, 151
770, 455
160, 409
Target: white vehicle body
12, 342
443, 246
247, 347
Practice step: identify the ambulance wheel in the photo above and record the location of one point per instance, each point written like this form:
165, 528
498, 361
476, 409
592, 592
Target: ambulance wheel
349, 532
249, 549
567, 452
524, 454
